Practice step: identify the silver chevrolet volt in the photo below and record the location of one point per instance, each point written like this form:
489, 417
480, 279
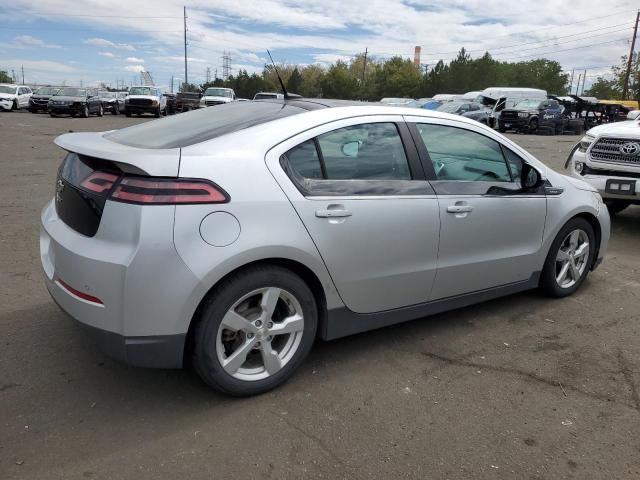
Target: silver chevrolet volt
230, 238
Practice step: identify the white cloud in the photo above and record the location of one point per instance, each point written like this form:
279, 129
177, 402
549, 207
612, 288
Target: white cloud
106, 54
134, 60
102, 42
134, 68
29, 41
41, 66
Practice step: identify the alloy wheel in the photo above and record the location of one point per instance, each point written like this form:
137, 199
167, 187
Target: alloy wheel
572, 258
260, 334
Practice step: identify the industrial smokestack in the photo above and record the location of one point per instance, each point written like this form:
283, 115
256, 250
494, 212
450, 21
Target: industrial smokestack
416, 56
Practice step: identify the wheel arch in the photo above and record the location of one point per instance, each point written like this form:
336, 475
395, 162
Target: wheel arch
597, 230
303, 271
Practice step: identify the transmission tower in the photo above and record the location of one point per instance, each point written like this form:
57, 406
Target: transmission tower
226, 65
208, 75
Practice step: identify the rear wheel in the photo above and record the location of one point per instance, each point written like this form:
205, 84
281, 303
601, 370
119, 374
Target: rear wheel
569, 259
255, 330
85, 111
616, 206
127, 113
100, 111
116, 109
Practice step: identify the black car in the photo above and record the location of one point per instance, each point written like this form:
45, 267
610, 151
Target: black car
528, 115
40, 98
171, 102
75, 101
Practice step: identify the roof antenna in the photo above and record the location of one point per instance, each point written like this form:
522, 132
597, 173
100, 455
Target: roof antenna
284, 89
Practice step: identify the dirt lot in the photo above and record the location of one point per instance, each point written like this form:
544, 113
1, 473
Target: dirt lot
523, 387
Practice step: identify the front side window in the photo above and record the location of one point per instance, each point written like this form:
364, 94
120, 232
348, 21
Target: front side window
464, 155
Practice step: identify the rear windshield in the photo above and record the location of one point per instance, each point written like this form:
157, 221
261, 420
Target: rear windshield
200, 125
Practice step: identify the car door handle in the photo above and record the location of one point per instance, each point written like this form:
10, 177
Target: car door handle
459, 208
333, 213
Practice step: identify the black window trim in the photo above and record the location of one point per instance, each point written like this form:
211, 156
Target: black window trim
461, 187
416, 186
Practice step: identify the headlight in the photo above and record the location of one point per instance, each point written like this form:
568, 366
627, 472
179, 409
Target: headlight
523, 114
154, 103
585, 142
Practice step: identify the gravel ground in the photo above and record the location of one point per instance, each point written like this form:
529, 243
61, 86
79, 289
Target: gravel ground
522, 387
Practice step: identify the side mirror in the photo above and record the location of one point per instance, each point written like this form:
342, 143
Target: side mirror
530, 178
350, 149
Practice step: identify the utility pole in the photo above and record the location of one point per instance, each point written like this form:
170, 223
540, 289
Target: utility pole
186, 79
171, 83
22, 67
583, 80
208, 75
364, 66
578, 85
625, 91
573, 71
13, 75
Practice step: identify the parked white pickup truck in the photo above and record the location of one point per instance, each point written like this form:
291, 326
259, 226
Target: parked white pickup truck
608, 157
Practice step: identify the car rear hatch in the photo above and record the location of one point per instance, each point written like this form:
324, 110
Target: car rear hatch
93, 168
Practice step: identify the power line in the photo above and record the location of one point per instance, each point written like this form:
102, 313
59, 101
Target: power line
543, 41
564, 50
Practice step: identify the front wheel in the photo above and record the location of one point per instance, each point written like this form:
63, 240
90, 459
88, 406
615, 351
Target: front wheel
254, 331
569, 259
157, 113
101, 111
501, 127
533, 126
85, 111
127, 113
116, 109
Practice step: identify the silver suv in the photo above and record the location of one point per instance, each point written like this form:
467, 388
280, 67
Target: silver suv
235, 236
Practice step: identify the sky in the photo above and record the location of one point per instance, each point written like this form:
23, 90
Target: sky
111, 41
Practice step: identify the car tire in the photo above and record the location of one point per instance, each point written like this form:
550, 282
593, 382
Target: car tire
616, 206
116, 110
501, 127
559, 278
52, 115
533, 125
576, 126
252, 285
14, 105
157, 113
128, 114
100, 111
85, 111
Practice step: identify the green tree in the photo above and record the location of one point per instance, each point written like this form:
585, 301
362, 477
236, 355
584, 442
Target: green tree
4, 77
339, 82
605, 89
295, 81
311, 85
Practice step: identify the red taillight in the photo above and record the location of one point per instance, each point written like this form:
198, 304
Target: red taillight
167, 191
78, 293
99, 182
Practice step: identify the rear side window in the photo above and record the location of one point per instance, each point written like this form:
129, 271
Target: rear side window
463, 155
372, 151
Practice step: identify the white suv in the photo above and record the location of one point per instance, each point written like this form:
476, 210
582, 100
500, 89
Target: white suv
217, 96
608, 157
13, 97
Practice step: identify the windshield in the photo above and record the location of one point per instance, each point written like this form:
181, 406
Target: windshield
217, 92
528, 104
46, 91
449, 107
142, 91
71, 92
7, 89
108, 94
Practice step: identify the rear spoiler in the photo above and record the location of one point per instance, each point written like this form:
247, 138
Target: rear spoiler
155, 162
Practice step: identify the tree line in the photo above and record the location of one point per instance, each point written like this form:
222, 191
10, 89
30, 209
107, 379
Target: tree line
371, 79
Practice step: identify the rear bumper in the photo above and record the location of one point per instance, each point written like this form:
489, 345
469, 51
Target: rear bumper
141, 287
